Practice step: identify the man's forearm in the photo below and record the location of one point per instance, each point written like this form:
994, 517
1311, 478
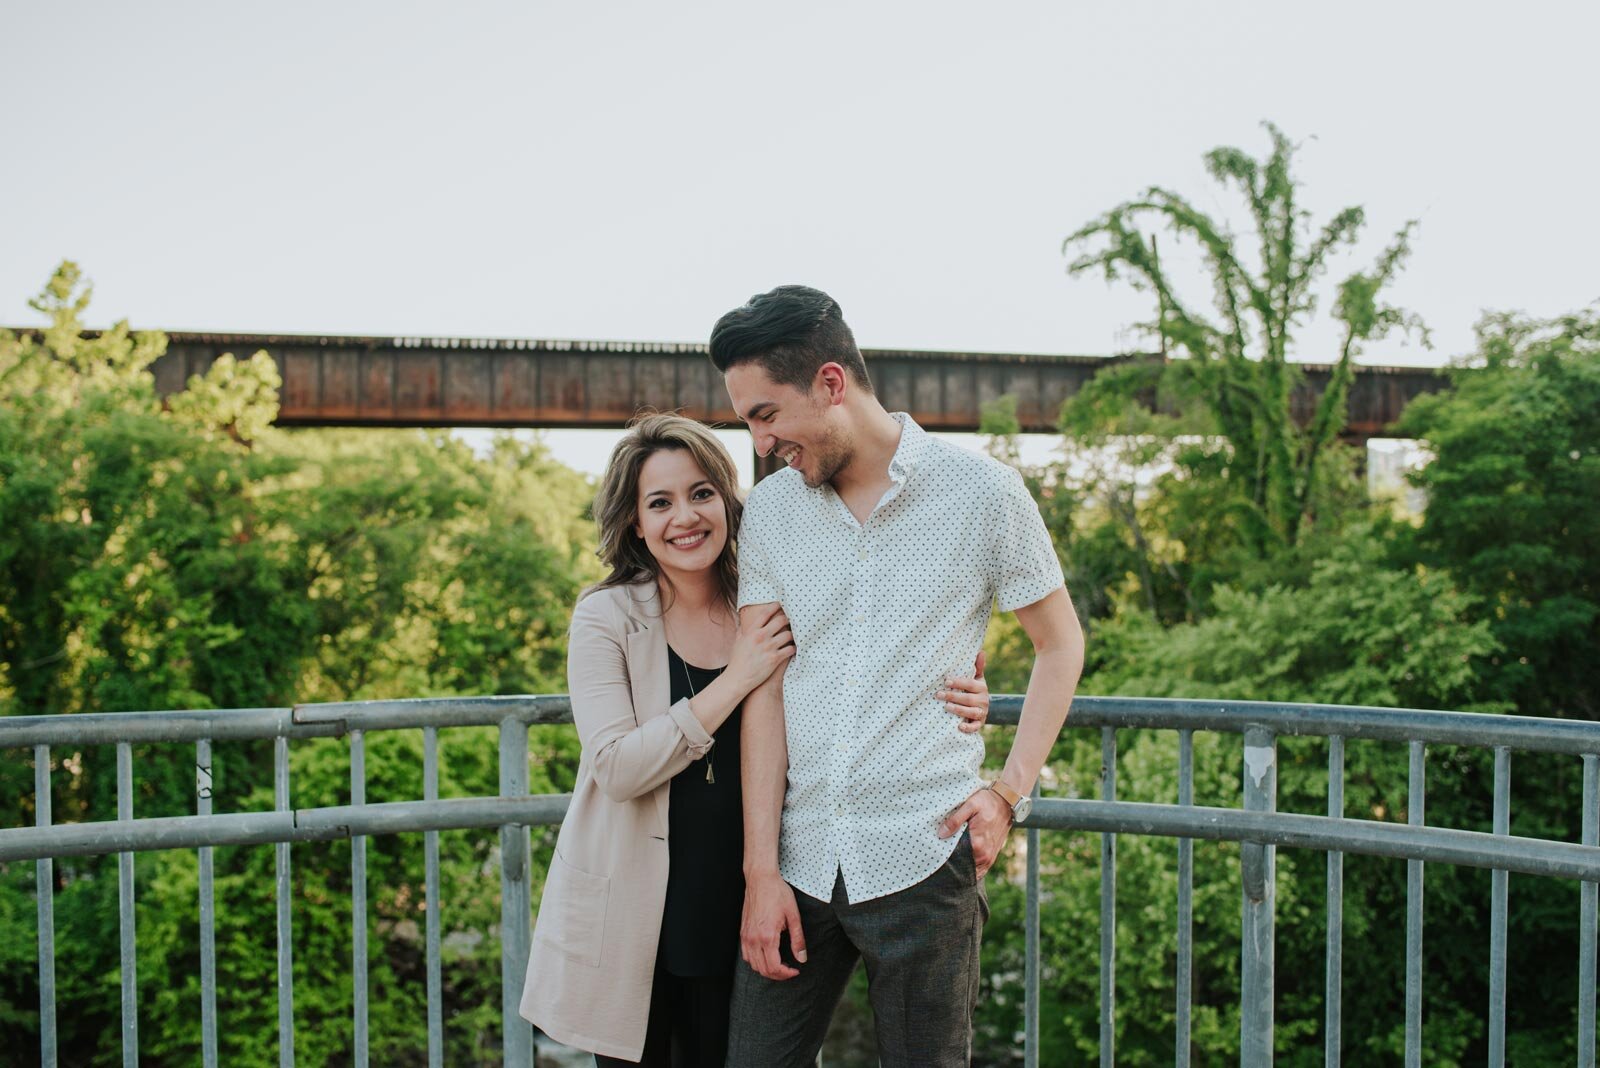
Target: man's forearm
1044, 711
764, 758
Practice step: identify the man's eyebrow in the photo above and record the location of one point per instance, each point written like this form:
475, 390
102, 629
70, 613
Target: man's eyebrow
756, 410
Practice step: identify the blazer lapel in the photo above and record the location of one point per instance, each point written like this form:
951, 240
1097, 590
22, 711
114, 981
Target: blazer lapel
647, 671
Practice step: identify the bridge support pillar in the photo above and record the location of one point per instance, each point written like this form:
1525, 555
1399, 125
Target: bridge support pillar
1259, 866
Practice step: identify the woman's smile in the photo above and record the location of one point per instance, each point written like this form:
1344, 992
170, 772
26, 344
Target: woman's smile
689, 541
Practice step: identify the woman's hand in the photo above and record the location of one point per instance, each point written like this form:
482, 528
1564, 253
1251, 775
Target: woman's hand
968, 698
761, 649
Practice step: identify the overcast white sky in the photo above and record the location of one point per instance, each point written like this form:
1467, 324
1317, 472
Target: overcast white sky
633, 170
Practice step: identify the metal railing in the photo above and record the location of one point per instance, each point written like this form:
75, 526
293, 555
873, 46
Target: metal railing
1257, 826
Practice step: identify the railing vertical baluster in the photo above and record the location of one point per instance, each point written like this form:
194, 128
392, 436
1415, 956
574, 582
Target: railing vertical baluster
1333, 982
430, 848
280, 799
358, 897
125, 917
208, 912
45, 882
1108, 906
515, 904
1030, 951
1497, 914
1257, 863
1586, 932
1185, 900
1416, 796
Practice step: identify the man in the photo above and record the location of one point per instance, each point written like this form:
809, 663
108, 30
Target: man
886, 548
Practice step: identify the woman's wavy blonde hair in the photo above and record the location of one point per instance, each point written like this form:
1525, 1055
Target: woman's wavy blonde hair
616, 503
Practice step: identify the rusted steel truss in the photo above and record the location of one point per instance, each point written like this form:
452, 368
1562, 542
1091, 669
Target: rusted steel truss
389, 381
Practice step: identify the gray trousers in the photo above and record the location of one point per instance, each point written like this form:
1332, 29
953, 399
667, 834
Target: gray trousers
920, 946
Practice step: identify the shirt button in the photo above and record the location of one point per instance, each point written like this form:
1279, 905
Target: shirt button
862, 554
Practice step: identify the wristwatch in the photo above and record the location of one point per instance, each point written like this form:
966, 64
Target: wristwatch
1020, 804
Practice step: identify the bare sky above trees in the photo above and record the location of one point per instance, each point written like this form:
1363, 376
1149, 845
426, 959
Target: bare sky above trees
633, 170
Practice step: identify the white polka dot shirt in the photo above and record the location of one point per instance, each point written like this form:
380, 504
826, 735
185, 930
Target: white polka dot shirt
882, 613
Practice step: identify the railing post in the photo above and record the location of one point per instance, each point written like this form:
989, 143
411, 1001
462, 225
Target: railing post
208, 912
1108, 906
45, 881
1587, 903
1333, 977
281, 803
1257, 863
1416, 798
1185, 971
358, 900
430, 851
125, 915
515, 904
1500, 888
1030, 951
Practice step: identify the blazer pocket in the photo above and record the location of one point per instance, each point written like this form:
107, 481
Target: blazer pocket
572, 916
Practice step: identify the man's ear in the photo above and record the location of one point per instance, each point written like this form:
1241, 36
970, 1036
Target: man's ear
834, 381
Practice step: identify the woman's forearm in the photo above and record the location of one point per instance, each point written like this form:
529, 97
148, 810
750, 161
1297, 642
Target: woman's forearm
713, 705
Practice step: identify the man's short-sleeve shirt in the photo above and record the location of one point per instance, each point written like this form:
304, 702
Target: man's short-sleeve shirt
882, 613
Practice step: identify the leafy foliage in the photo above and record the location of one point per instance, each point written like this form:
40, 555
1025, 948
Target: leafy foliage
186, 553
1514, 502
183, 553
1238, 366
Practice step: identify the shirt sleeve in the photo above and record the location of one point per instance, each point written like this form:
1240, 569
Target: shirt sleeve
757, 583
1023, 560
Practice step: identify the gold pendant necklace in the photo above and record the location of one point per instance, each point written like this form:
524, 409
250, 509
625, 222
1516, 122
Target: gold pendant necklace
711, 775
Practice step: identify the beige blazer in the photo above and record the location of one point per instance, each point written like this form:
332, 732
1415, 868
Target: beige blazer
594, 945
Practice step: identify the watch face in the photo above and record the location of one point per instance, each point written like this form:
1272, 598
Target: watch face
1021, 809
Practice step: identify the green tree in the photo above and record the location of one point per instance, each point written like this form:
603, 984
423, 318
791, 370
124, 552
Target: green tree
186, 554
1514, 503
1237, 364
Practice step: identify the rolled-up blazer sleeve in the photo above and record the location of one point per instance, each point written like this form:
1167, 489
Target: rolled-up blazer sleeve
629, 758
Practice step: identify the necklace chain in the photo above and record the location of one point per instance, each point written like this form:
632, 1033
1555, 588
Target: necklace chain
688, 676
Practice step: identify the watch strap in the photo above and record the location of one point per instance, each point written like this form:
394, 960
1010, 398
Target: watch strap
1007, 794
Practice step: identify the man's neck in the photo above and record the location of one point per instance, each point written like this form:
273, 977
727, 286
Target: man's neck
877, 437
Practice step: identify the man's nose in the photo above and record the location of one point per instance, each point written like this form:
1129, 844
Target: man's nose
763, 442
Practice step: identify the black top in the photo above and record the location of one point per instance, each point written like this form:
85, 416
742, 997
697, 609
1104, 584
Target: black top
705, 847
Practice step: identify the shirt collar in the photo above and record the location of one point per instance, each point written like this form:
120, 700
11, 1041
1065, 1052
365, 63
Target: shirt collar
913, 446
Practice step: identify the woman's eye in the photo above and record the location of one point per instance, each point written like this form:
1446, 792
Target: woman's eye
703, 495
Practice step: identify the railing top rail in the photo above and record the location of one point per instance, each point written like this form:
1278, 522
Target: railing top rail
1531, 856
1521, 733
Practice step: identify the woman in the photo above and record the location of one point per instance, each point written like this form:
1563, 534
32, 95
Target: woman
637, 934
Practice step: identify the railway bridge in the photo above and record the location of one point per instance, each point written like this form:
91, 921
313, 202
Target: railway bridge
344, 380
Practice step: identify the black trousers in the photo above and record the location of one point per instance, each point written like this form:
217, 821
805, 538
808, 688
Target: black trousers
688, 1025
920, 946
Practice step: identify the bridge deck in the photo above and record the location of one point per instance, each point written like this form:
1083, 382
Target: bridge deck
397, 381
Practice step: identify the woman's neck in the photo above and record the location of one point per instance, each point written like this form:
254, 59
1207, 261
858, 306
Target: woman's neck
695, 593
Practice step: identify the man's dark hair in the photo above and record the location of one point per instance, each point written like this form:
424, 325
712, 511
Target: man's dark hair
790, 332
